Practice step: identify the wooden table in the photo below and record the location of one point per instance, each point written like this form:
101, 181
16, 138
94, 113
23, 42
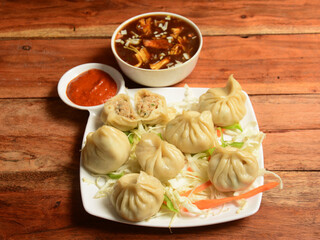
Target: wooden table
271, 47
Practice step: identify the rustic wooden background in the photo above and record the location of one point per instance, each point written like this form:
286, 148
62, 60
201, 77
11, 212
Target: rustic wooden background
271, 47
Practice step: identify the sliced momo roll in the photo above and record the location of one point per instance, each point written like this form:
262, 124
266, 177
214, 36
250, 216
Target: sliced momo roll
227, 104
191, 132
151, 107
137, 197
105, 150
231, 169
159, 158
118, 112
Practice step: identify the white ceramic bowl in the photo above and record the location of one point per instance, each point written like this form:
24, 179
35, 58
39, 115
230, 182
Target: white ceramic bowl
162, 77
74, 72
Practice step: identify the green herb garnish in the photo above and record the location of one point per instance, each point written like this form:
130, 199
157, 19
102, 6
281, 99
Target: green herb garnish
168, 204
236, 144
115, 175
234, 127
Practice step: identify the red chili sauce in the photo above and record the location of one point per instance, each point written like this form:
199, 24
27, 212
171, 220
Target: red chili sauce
91, 88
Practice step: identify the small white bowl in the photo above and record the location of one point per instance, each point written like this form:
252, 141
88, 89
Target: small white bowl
162, 77
76, 71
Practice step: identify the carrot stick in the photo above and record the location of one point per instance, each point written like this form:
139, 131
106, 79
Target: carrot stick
200, 188
219, 130
211, 203
189, 169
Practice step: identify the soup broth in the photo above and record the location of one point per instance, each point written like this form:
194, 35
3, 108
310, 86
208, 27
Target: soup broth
157, 42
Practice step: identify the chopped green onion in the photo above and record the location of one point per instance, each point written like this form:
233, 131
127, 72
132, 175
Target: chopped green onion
130, 137
234, 127
168, 204
159, 134
223, 144
210, 151
115, 175
236, 144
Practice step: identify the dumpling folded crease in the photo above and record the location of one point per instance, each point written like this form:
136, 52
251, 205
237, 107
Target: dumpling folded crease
101, 153
158, 157
137, 197
191, 132
232, 169
227, 104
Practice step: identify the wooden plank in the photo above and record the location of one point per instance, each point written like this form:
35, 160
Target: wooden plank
54, 19
52, 117
58, 214
292, 150
284, 112
262, 64
41, 117
46, 135
288, 150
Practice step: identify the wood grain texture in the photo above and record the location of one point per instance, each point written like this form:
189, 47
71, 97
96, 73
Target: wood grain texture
46, 135
263, 64
289, 150
21, 19
285, 112
271, 47
54, 212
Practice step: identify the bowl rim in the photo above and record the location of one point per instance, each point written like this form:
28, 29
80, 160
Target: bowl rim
72, 73
149, 14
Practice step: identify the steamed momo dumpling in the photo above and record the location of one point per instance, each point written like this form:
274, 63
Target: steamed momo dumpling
151, 107
231, 169
137, 197
191, 131
118, 112
159, 158
227, 104
105, 150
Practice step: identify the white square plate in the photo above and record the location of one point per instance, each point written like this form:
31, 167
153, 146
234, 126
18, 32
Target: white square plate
103, 208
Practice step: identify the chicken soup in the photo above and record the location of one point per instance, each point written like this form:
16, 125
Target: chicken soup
157, 42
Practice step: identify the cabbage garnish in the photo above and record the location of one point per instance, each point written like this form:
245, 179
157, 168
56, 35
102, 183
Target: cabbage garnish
234, 127
115, 175
168, 204
189, 102
249, 139
236, 144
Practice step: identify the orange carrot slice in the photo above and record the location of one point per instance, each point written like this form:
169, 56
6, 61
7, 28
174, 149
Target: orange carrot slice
200, 188
211, 203
189, 169
219, 130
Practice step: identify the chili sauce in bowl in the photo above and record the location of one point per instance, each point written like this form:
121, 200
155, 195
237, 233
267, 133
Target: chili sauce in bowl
91, 88
88, 86
157, 49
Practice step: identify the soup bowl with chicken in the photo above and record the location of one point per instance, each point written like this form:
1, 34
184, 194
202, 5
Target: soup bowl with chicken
157, 49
